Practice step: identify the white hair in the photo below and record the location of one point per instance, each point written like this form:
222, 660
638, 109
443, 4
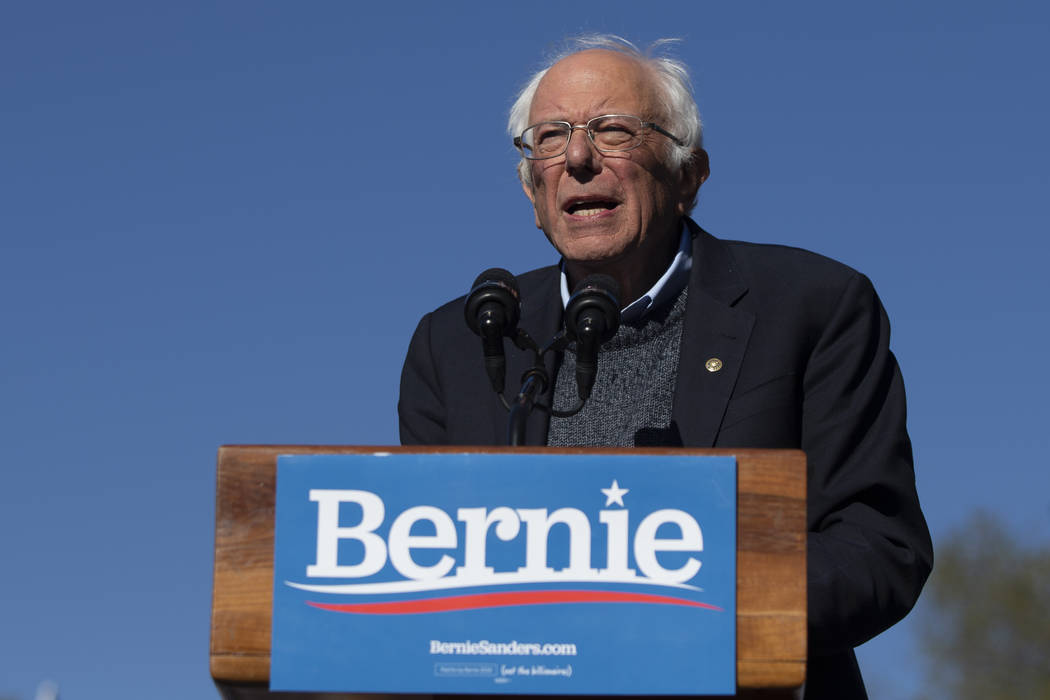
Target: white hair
674, 92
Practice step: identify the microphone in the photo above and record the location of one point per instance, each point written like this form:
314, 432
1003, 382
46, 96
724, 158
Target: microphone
492, 311
591, 318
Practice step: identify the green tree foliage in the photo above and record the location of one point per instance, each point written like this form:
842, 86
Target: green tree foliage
986, 631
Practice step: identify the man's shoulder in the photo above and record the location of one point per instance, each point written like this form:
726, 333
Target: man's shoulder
772, 268
757, 262
774, 280
765, 259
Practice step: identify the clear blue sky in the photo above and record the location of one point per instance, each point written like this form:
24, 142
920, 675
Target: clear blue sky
220, 222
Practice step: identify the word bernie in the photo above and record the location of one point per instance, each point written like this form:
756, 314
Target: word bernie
507, 523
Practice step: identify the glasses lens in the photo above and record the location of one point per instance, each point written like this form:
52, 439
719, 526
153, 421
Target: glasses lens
545, 140
616, 132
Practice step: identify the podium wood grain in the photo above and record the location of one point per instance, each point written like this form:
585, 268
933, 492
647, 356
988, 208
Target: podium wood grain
771, 558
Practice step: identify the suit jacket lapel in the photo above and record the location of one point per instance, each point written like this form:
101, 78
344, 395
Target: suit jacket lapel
714, 340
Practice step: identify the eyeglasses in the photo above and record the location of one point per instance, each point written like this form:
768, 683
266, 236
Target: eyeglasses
609, 133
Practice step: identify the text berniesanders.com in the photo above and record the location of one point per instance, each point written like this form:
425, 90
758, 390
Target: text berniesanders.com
512, 648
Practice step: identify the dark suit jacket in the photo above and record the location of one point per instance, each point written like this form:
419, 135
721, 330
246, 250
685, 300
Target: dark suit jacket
804, 344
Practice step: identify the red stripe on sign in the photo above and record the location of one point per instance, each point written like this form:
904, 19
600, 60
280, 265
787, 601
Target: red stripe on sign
500, 600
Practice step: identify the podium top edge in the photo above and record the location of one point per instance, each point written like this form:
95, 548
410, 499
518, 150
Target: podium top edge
489, 449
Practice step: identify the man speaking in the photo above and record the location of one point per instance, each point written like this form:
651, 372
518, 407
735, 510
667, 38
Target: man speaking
721, 343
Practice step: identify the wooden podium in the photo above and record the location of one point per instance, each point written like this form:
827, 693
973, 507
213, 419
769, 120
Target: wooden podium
771, 563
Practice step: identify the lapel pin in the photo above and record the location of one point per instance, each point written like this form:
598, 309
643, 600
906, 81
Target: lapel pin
713, 365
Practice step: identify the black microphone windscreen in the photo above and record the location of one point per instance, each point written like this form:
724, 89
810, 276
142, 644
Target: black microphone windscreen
595, 294
494, 289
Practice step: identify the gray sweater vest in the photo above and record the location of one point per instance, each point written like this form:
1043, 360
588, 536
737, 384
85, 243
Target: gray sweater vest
630, 404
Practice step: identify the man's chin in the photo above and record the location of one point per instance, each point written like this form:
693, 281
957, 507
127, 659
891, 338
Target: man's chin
592, 248
592, 260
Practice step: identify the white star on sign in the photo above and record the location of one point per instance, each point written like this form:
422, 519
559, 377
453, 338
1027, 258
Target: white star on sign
614, 494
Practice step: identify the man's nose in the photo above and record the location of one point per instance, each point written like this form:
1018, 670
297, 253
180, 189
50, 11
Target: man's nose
580, 155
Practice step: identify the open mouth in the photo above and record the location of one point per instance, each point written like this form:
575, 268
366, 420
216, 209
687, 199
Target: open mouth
592, 207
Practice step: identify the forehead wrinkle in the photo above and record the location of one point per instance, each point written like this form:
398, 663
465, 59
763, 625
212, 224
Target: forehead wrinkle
565, 114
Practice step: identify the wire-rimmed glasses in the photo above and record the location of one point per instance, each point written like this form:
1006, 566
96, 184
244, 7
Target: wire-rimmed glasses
609, 133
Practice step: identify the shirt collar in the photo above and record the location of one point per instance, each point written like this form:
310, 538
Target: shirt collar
666, 288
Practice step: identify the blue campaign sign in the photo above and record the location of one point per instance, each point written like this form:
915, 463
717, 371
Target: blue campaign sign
505, 573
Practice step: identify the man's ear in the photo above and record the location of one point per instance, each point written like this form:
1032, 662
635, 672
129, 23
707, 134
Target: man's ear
531, 194
694, 173
702, 164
